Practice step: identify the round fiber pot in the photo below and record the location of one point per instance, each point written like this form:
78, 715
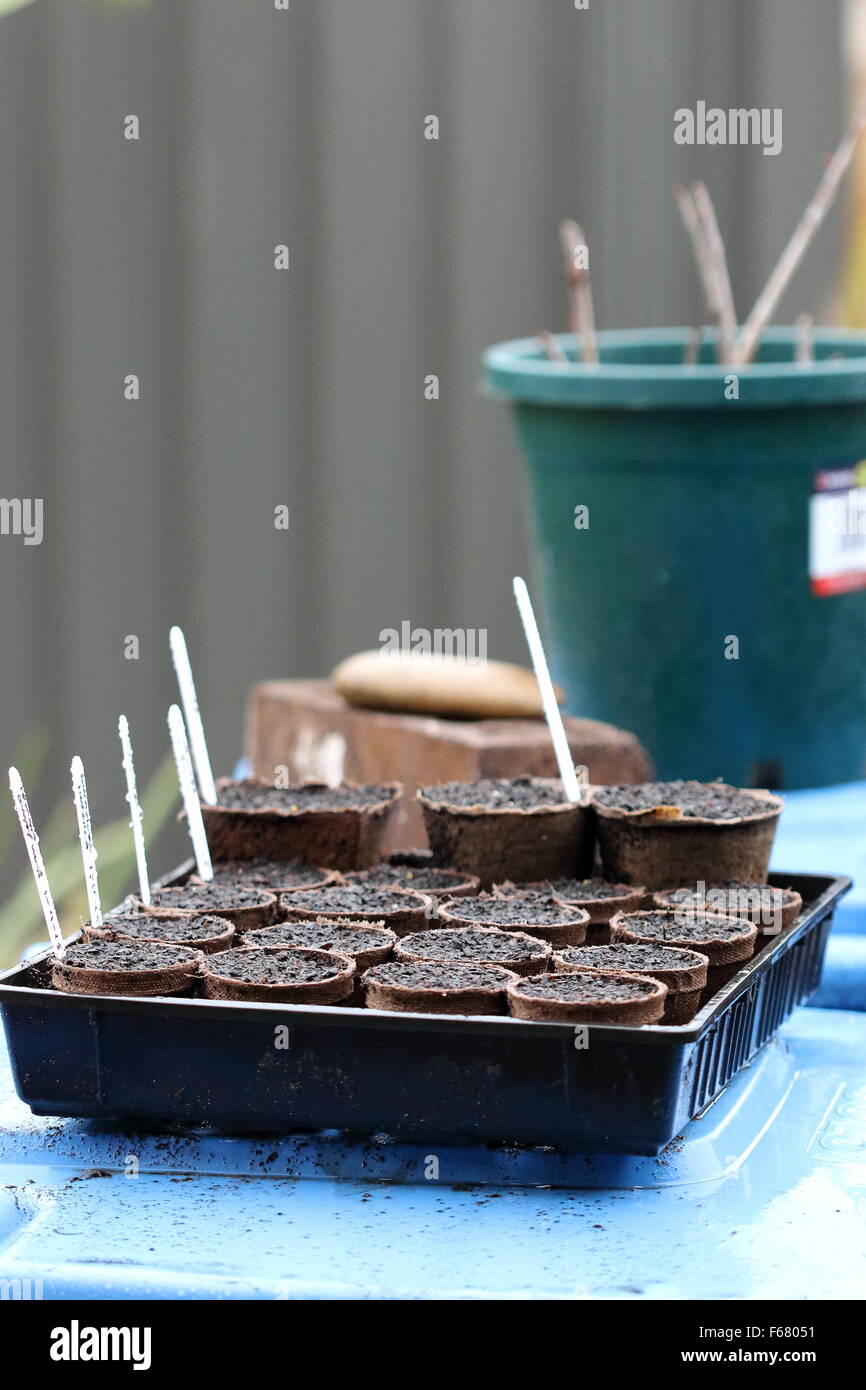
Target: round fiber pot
137, 968
551, 839
771, 909
595, 896
290, 976
727, 942
337, 827
437, 884
515, 951
695, 488
394, 908
684, 972
247, 908
436, 987
588, 996
661, 847
560, 926
205, 934
291, 877
367, 945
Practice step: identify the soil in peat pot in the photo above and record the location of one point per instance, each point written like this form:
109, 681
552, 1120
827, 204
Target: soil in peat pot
684, 972
274, 967
590, 890
246, 906
548, 919
498, 793
670, 834
400, 910
593, 895
367, 945
257, 796
426, 879
336, 827
706, 800
768, 907
291, 975
272, 875
498, 828
201, 897
526, 955
126, 967
627, 956
442, 987
202, 933
727, 942
699, 928
587, 997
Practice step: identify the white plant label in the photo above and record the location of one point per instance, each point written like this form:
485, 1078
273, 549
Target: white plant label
191, 803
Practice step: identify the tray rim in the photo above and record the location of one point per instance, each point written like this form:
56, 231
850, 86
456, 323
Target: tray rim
835, 887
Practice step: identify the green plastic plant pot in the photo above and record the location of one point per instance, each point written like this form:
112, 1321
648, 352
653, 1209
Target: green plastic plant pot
712, 595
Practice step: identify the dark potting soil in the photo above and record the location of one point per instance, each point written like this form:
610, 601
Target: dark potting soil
423, 880
587, 889
579, 988
706, 799
250, 796
272, 967
127, 955
341, 901
512, 912
700, 927
623, 956
324, 936
539, 894
496, 794
209, 897
466, 944
447, 975
171, 928
268, 873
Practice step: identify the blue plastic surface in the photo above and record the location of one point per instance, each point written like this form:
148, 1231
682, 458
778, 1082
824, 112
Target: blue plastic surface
762, 1197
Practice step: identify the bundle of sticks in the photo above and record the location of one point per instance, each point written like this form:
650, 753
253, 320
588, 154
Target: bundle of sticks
735, 344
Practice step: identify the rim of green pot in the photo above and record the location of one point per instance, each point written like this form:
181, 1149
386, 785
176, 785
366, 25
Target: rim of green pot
642, 369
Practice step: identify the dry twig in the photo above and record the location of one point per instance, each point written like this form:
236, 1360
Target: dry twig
801, 238
581, 316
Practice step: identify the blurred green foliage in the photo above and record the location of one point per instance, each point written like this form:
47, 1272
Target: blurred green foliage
21, 920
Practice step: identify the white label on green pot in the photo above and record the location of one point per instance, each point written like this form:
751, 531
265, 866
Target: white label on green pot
837, 531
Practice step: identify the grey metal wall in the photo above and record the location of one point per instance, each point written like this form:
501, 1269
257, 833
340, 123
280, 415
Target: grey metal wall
305, 387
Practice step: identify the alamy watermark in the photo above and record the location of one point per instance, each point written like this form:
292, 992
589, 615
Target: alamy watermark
754, 902
22, 516
739, 125
464, 643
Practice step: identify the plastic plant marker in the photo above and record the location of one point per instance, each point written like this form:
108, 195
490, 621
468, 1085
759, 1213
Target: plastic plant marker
570, 783
180, 657
31, 840
85, 835
186, 778
135, 819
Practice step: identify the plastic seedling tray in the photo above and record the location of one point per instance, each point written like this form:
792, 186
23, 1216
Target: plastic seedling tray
249, 1067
